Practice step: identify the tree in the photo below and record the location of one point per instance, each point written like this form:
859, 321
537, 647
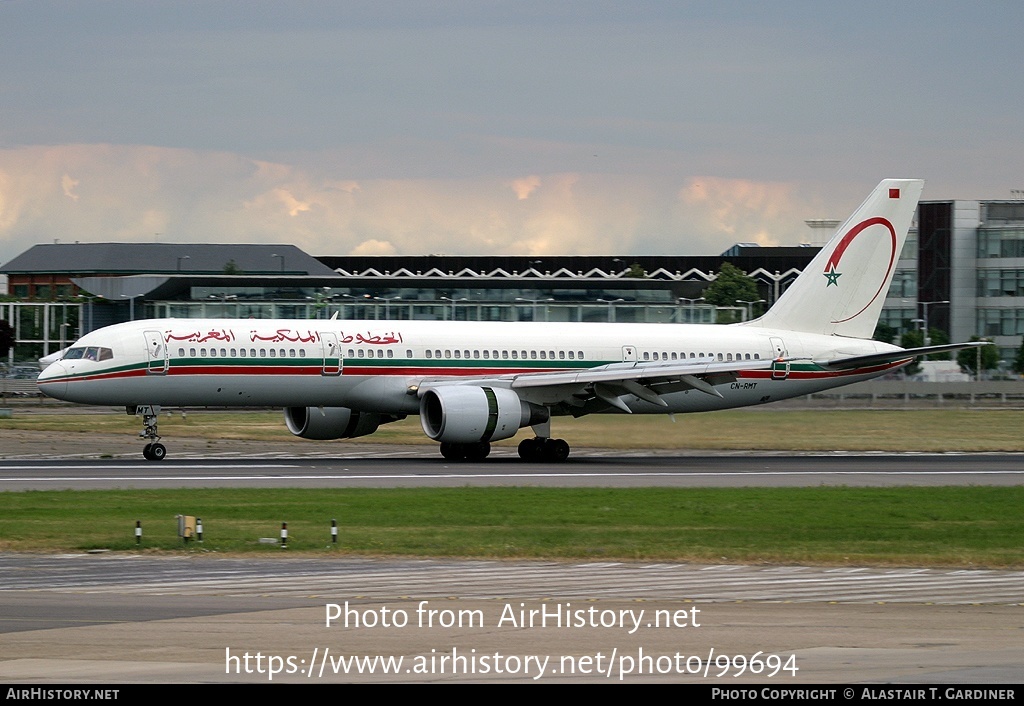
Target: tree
885, 333
915, 339
732, 285
936, 337
967, 359
636, 271
231, 268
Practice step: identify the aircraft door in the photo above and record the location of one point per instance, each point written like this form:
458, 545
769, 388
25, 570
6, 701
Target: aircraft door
780, 368
157, 355
332, 353
628, 354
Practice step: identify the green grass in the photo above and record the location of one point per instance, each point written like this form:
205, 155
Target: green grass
949, 526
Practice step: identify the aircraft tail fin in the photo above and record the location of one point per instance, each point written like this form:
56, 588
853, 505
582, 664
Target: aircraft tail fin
843, 289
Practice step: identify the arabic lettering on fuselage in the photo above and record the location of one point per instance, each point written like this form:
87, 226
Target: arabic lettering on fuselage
285, 334
224, 335
281, 335
381, 339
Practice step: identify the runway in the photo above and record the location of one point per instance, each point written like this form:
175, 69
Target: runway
119, 619
115, 619
417, 467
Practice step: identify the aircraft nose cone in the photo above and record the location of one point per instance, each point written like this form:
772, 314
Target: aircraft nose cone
53, 381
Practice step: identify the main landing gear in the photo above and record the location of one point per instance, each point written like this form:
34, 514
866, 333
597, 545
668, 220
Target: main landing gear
154, 450
541, 449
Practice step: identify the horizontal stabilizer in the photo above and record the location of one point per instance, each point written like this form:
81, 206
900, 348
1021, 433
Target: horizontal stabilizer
860, 361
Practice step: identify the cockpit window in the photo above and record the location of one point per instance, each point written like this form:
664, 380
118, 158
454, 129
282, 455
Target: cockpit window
88, 353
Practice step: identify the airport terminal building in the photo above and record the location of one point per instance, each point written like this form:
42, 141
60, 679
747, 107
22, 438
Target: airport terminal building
961, 272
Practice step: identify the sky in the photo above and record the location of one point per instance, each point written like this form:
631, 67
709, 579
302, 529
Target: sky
534, 127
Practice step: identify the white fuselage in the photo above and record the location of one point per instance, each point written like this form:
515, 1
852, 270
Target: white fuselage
378, 366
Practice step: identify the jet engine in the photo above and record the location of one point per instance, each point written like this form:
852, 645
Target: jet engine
324, 423
465, 414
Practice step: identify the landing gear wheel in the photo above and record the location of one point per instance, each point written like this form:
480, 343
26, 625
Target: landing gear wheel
477, 451
154, 452
452, 451
556, 450
537, 450
530, 450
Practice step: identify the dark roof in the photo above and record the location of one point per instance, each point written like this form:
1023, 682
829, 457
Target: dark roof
750, 260
164, 258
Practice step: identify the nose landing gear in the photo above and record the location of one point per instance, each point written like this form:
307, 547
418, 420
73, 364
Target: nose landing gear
154, 450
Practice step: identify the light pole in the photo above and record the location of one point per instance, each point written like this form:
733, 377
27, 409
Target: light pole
454, 302
748, 305
131, 306
282, 260
927, 339
977, 370
533, 304
387, 305
182, 257
611, 307
355, 299
691, 303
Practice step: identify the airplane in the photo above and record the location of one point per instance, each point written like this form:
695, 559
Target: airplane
473, 383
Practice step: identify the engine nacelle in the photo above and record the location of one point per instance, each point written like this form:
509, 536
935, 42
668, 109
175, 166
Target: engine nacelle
465, 414
329, 422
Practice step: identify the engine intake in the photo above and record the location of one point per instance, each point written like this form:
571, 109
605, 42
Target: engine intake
330, 422
465, 414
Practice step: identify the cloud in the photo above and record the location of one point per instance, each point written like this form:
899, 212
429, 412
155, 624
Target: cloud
111, 193
69, 185
379, 248
747, 211
525, 186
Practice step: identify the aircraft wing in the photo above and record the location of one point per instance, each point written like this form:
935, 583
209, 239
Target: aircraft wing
608, 383
860, 361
